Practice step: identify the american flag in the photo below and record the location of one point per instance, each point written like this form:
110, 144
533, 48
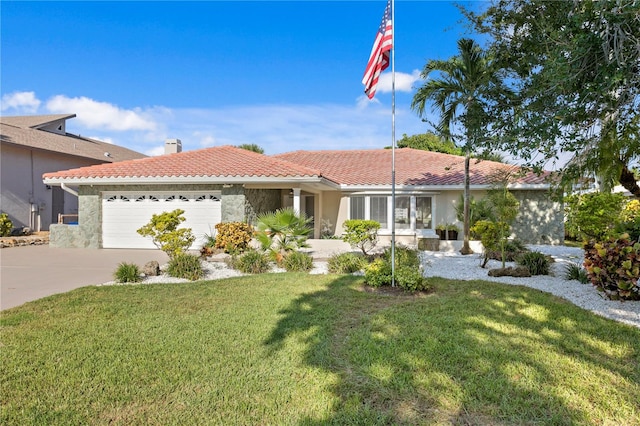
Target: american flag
379, 57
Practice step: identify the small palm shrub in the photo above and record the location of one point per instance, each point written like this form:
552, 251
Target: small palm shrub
233, 237
537, 263
282, 232
346, 263
127, 273
574, 271
297, 261
185, 265
5, 225
251, 262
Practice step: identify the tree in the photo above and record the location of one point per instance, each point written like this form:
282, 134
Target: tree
464, 93
575, 66
251, 147
429, 142
165, 234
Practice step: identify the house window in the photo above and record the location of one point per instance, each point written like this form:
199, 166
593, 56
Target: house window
357, 208
403, 212
411, 212
423, 213
378, 210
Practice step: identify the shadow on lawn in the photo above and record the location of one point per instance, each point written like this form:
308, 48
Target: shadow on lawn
419, 360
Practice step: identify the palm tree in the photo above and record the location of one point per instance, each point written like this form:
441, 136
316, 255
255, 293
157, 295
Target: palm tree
466, 87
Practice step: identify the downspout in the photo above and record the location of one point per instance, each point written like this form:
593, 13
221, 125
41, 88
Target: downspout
69, 190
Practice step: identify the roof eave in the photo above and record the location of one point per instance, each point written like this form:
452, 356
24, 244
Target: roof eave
517, 186
159, 180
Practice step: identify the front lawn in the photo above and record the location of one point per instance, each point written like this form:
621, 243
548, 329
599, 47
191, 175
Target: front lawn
291, 349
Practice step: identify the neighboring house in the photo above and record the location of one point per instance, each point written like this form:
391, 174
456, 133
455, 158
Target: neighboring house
224, 184
33, 145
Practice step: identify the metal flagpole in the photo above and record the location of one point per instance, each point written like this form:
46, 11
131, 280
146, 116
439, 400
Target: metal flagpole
393, 144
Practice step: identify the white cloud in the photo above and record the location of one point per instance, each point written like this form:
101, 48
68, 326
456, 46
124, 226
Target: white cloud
100, 115
404, 81
20, 102
153, 152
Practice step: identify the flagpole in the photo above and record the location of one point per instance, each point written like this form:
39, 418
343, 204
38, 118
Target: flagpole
393, 145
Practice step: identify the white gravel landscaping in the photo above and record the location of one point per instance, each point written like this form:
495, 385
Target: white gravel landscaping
453, 265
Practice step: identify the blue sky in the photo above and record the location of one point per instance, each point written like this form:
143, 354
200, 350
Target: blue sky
285, 75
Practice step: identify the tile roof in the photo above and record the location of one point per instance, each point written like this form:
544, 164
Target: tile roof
413, 167
23, 131
222, 161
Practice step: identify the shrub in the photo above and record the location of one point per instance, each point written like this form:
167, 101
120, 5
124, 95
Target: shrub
411, 279
408, 270
593, 215
282, 232
233, 237
346, 263
491, 236
127, 273
185, 265
165, 234
537, 263
512, 250
573, 271
5, 225
297, 261
378, 273
613, 266
251, 262
362, 234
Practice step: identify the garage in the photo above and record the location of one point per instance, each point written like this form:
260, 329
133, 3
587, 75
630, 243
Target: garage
123, 213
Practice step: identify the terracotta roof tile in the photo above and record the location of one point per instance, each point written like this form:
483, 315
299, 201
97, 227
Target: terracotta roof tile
223, 161
413, 167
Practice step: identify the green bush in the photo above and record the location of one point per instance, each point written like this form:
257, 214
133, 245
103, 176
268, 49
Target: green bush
346, 263
378, 273
362, 234
537, 263
408, 270
5, 225
165, 234
251, 262
297, 261
613, 266
593, 216
185, 265
491, 237
512, 250
127, 273
573, 271
233, 237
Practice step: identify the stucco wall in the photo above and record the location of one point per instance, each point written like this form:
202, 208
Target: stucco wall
21, 183
541, 220
259, 201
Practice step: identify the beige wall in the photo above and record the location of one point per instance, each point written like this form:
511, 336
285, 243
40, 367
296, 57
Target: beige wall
21, 184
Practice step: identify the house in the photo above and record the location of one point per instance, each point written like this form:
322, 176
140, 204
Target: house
33, 145
224, 184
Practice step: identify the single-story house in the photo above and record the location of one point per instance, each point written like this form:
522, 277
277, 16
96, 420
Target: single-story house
33, 145
224, 184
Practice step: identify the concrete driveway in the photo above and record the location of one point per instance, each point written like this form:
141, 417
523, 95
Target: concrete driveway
32, 272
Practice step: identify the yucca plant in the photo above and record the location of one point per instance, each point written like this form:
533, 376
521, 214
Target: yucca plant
282, 232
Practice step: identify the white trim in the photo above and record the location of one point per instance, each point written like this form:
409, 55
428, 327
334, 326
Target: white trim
160, 180
434, 188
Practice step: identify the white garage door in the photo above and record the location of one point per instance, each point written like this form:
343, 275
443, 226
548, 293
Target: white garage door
125, 212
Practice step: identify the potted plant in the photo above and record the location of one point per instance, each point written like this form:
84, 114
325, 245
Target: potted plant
447, 231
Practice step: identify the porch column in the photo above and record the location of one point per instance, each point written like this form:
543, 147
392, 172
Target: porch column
296, 200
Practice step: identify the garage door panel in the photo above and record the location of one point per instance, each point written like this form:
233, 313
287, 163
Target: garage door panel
121, 219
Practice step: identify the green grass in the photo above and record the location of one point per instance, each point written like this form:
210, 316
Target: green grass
295, 349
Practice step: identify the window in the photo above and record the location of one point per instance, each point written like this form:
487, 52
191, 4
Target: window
412, 212
403, 212
378, 210
357, 208
423, 212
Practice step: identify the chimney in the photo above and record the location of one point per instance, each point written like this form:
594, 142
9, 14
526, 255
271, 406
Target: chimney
172, 146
